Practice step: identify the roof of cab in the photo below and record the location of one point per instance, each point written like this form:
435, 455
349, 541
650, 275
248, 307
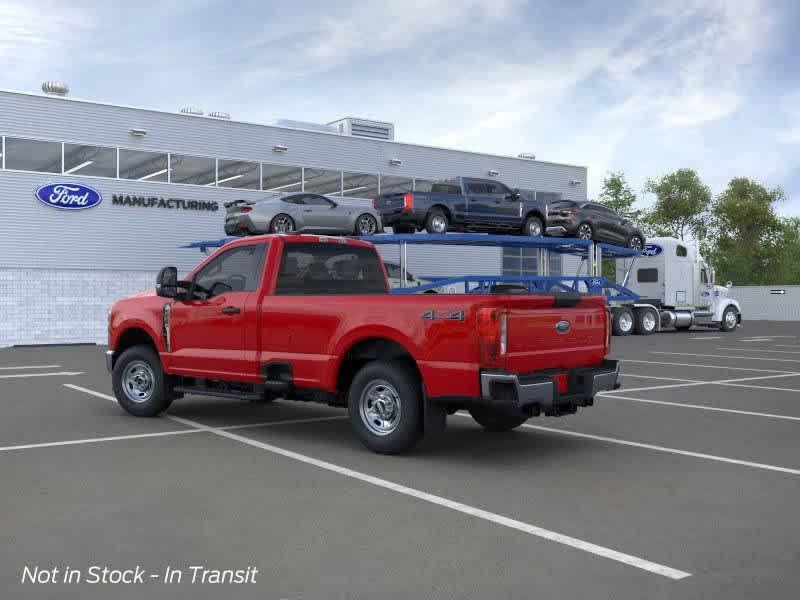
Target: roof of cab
299, 238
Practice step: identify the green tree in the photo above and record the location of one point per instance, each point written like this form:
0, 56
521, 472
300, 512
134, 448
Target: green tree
618, 195
681, 206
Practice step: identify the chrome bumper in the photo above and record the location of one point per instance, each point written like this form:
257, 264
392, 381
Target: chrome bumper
521, 391
110, 360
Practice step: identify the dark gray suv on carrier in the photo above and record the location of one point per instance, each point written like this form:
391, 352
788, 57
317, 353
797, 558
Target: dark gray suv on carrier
592, 221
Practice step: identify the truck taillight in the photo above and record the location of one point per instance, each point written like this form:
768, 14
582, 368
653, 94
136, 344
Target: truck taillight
374, 203
492, 336
408, 202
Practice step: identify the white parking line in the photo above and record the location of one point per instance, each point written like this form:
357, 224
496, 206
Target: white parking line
760, 350
97, 440
712, 337
20, 375
702, 407
728, 367
473, 511
786, 345
626, 374
30, 367
712, 457
693, 383
728, 382
793, 360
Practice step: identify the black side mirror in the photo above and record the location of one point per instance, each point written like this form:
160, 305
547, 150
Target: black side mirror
167, 282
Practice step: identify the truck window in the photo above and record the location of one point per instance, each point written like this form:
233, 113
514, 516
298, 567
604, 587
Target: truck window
476, 188
703, 276
324, 269
647, 275
237, 269
446, 188
680, 251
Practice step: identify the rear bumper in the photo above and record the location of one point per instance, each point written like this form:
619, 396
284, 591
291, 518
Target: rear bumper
399, 217
540, 393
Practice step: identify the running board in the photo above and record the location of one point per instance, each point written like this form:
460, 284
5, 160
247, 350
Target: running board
204, 391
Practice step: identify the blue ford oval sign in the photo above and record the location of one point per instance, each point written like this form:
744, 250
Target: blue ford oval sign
562, 326
68, 196
652, 250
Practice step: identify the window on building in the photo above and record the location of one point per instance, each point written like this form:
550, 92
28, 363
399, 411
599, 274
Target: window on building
323, 181
238, 174
141, 165
423, 185
680, 251
96, 161
647, 275
281, 178
33, 155
195, 170
360, 185
396, 185
524, 261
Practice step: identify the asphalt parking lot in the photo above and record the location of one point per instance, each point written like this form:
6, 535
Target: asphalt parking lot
685, 483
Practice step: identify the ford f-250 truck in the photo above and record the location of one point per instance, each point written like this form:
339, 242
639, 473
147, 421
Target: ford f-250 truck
464, 204
312, 318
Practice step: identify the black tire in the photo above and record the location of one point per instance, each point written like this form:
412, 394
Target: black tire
584, 231
534, 227
401, 384
497, 421
622, 321
636, 242
643, 325
154, 395
403, 228
274, 225
725, 325
360, 227
432, 221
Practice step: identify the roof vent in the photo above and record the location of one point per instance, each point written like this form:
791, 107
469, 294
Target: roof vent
55, 88
376, 130
527, 155
217, 114
192, 110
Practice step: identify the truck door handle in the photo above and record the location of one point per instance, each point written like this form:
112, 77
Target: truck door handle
307, 210
231, 310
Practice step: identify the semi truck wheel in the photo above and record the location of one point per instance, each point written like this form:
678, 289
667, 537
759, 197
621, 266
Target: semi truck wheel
622, 321
646, 321
730, 319
139, 383
496, 421
385, 406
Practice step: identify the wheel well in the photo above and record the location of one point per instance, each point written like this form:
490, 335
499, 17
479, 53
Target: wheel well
535, 213
444, 209
134, 337
366, 351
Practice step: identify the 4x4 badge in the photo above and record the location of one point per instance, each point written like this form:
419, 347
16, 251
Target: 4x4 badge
447, 315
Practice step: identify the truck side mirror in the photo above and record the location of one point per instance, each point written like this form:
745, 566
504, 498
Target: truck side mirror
167, 282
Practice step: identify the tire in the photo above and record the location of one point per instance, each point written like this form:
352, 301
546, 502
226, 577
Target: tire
636, 242
436, 221
623, 322
366, 224
533, 227
496, 421
646, 321
585, 231
282, 223
139, 383
730, 319
397, 386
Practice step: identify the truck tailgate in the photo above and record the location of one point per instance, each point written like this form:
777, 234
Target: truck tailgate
543, 336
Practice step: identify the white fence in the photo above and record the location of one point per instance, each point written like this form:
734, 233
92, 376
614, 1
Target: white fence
768, 302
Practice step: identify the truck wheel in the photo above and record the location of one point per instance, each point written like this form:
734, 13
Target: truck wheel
495, 420
533, 227
730, 319
646, 321
281, 224
385, 406
139, 383
436, 222
622, 323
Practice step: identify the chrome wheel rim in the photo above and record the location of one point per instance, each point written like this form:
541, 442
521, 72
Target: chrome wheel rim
648, 321
366, 225
625, 322
730, 319
585, 232
439, 224
282, 224
636, 243
379, 407
534, 228
138, 381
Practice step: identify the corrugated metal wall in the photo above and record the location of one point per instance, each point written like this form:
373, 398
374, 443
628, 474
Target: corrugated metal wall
768, 303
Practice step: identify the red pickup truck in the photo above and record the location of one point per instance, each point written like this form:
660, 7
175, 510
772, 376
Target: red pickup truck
308, 317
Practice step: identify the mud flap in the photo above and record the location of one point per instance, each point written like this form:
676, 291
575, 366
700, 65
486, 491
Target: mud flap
435, 416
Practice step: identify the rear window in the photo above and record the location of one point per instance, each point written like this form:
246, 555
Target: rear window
445, 188
647, 275
323, 269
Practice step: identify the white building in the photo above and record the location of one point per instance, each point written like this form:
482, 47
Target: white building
61, 269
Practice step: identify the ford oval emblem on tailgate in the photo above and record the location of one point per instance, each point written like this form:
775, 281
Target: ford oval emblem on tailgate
69, 196
562, 326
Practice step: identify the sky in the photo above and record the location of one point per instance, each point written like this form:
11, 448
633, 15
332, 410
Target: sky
639, 87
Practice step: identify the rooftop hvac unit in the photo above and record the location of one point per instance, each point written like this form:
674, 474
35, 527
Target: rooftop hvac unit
527, 155
303, 125
55, 88
376, 130
192, 110
218, 114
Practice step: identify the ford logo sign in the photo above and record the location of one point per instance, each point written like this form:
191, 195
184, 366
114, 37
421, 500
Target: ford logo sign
562, 326
652, 250
68, 196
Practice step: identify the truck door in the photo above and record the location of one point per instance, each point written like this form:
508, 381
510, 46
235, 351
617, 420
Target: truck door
209, 332
705, 289
503, 206
477, 202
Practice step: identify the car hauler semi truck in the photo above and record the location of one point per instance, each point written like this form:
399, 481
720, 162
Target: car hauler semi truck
676, 289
